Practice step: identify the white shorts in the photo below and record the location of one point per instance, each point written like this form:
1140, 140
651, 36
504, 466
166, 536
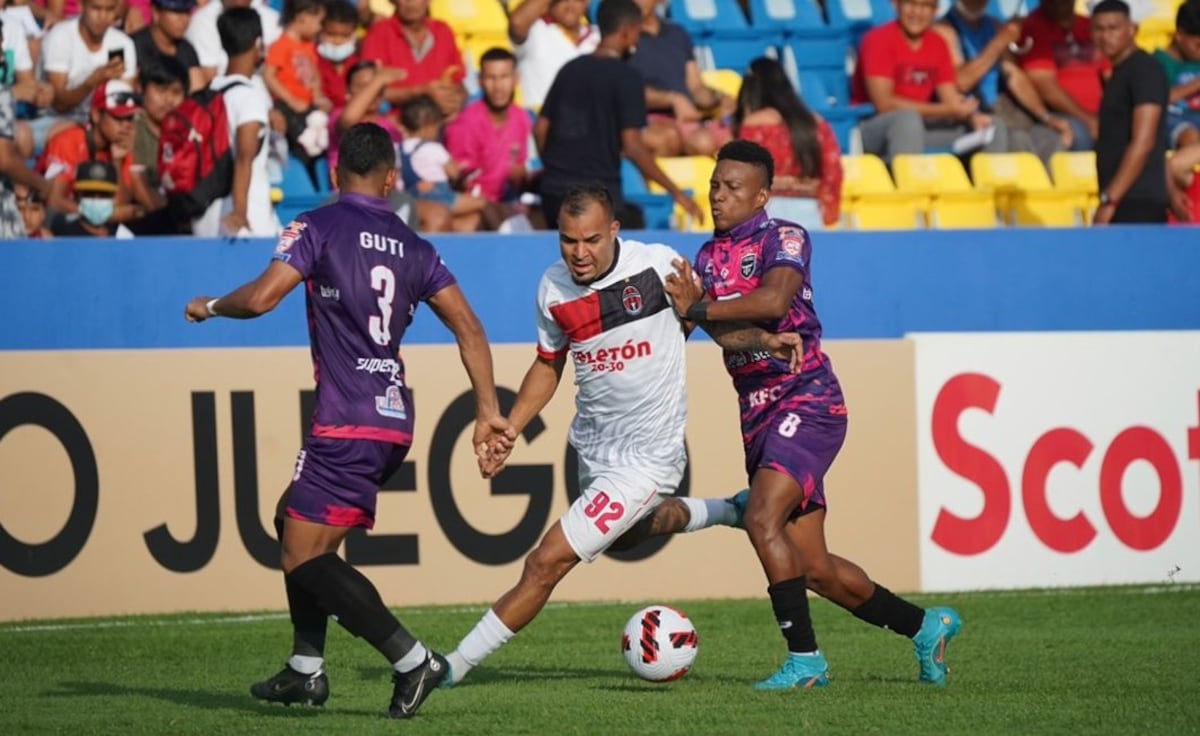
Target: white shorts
613, 500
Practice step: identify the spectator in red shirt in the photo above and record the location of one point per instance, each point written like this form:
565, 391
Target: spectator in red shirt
338, 50
905, 71
808, 163
425, 49
1065, 67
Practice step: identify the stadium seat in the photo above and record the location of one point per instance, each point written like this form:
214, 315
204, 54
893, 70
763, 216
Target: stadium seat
952, 202
471, 17
840, 115
1075, 171
870, 200
727, 81
721, 34
1024, 194
691, 173
657, 208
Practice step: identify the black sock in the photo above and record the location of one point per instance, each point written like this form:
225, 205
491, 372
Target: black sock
309, 620
790, 601
887, 610
347, 594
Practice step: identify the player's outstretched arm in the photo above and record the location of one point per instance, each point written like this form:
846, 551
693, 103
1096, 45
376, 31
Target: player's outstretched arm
249, 300
452, 308
537, 388
770, 301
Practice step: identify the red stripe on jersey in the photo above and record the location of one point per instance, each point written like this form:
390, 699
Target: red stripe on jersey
579, 318
550, 355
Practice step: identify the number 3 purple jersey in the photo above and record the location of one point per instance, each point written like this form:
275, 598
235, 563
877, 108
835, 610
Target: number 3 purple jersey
734, 264
365, 272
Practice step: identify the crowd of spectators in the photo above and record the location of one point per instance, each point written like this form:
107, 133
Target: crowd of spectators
88, 86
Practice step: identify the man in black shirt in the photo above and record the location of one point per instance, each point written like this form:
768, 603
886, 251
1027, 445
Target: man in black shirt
163, 37
1132, 147
594, 114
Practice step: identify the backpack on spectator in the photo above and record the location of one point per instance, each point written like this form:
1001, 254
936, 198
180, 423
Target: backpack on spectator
195, 159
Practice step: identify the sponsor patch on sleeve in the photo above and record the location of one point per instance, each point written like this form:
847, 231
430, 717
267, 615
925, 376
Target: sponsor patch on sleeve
791, 245
288, 238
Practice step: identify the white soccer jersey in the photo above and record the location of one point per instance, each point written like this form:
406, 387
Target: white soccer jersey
628, 349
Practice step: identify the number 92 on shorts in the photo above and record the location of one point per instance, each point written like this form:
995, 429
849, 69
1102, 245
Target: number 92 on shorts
612, 502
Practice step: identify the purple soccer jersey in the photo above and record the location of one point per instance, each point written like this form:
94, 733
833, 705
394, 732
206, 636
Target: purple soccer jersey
733, 264
365, 272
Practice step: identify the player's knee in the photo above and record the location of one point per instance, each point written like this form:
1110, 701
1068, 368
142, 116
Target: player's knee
543, 568
763, 524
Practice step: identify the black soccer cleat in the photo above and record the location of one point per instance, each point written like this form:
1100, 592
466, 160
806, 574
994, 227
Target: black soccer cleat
413, 687
290, 686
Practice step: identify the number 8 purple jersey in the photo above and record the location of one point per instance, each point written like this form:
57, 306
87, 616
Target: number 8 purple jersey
365, 272
733, 264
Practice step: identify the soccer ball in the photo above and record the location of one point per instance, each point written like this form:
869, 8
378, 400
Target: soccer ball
659, 644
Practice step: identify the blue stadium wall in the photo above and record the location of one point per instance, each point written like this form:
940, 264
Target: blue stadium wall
130, 294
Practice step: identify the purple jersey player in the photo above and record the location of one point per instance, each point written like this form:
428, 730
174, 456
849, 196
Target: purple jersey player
757, 270
364, 273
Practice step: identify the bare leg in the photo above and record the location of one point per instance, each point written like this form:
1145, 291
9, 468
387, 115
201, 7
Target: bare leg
545, 566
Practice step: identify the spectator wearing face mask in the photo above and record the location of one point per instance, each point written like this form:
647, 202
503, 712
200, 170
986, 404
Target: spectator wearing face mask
337, 50
96, 194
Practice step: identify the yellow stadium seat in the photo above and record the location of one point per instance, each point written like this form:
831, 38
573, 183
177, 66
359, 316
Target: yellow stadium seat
870, 200
1024, 194
694, 173
952, 201
471, 17
723, 80
1075, 172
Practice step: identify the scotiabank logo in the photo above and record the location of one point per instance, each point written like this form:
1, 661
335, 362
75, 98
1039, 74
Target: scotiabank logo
1057, 445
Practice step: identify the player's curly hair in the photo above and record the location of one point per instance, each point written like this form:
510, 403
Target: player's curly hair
749, 152
575, 202
366, 149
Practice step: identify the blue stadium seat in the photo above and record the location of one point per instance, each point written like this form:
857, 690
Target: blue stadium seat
833, 104
657, 208
296, 181
723, 37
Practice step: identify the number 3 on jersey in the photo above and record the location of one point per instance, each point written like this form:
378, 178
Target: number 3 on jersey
603, 510
383, 280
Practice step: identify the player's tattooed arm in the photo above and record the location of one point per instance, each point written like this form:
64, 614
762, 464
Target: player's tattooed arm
744, 338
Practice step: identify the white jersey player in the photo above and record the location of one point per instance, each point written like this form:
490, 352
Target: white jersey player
604, 306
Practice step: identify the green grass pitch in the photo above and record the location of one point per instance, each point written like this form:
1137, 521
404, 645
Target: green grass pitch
1096, 661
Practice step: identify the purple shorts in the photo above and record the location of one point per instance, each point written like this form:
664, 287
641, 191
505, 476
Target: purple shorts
802, 447
337, 480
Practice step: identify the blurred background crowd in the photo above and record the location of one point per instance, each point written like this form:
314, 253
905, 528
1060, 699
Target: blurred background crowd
880, 114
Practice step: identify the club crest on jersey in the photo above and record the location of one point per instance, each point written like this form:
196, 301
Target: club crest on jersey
289, 236
391, 404
631, 299
749, 262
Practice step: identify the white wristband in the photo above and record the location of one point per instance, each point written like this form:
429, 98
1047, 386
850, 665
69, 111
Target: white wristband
212, 308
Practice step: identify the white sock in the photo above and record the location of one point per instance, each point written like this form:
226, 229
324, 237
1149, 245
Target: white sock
306, 665
814, 653
488, 635
706, 512
414, 659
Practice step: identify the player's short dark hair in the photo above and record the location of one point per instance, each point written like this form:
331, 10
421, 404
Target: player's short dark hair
613, 15
575, 202
420, 111
366, 149
340, 11
497, 53
163, 71
749, 152
239, 29
1187, 20
292, 8
1111, 6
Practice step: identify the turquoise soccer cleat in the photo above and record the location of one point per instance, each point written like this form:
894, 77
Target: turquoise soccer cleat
739, 501
929, 645
799, 672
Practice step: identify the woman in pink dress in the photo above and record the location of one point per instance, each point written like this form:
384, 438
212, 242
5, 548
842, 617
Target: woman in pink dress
808, 162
